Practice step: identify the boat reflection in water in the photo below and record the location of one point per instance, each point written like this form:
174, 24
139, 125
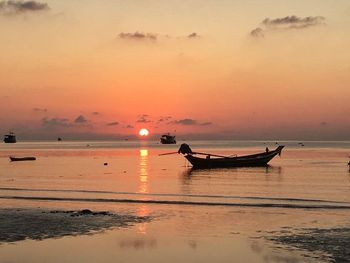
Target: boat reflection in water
268, 169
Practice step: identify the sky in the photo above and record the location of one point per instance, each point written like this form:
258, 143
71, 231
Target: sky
205, 69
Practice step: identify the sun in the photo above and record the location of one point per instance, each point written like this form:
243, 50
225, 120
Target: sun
143, 132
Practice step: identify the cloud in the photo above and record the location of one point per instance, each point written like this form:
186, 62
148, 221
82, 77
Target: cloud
12, 7
206, 123
154, 36
190, 122
323, 123
55, 123
114, 123
286, 23
143, 119
129, 126
96, 113
138, 36
40, 110
80, 119
257, 32
193, 35
186, 122
294, 21
164, 118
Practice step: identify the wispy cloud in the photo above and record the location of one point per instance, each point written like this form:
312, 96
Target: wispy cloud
164, 118
294, 21
185, 122
55, 123
80, 120
193, 35
12, 7
114, 123
138, 36
257, 32
144, 119
190, 122
40, 110
286, 23
206, 123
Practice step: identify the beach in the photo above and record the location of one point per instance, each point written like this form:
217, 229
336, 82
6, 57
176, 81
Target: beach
120, 201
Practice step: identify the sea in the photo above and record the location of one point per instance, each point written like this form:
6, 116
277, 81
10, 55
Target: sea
205, 215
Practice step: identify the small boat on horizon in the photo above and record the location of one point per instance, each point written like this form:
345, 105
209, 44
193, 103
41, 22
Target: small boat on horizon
16, 159
10, 138
219, 161
167, 139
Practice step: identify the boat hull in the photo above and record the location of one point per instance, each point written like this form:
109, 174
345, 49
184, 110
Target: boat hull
167, 142
17, 159
10, 138
9, 141
260, 159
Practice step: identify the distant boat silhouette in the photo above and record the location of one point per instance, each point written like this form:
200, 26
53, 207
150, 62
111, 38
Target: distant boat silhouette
167, 139
10, 138
59, 139
16, 159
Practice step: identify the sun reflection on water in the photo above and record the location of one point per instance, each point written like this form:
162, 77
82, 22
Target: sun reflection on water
143, 210
143, 152
143, 186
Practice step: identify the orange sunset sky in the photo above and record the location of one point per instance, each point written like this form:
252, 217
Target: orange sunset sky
232, 69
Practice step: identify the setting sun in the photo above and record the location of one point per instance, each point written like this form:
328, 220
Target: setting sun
143, 132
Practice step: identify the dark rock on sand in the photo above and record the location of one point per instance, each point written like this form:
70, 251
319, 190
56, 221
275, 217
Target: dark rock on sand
331, 244
38, 224
88, 212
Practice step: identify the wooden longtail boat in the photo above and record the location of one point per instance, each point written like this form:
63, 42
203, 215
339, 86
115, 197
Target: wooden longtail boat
16, 159
219, 161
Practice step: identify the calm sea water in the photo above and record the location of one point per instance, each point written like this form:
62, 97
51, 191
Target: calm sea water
308, 186
316, 173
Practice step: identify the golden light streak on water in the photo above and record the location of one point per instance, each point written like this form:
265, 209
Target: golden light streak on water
143, 171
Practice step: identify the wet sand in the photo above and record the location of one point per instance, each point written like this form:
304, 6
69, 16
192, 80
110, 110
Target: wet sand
39, 224
243, 231
330, 244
